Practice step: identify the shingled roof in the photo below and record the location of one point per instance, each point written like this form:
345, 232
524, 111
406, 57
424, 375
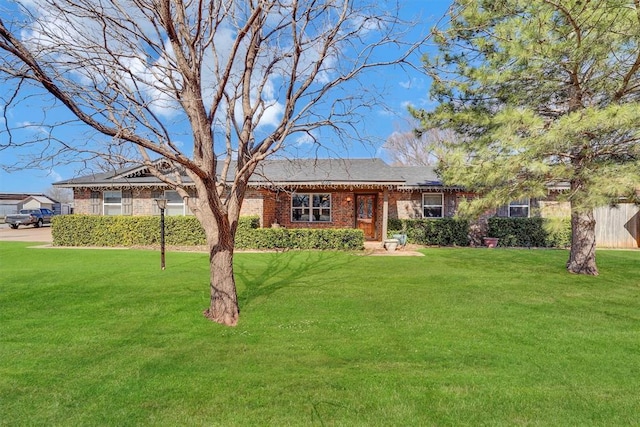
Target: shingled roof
280, 173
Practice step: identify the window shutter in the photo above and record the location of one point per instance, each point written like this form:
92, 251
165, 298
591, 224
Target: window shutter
95, 203
451, 205
534, 207
127, 202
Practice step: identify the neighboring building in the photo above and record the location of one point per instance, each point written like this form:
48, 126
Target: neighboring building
305, 193
37, 202
11, 203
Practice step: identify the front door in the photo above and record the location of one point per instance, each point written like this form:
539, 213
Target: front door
366, 215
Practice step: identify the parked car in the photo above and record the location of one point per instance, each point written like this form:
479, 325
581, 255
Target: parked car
35, 217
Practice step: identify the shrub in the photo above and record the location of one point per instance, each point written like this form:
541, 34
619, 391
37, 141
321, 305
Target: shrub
300, 238
92, 230
558, 232
440, 232
183, 231
530, 232
395, 224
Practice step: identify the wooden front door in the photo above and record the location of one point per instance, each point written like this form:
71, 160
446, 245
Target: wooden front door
366, 215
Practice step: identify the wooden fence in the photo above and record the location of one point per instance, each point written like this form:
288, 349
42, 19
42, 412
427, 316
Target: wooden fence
618, 227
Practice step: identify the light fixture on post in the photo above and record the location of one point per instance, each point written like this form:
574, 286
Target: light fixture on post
162, 205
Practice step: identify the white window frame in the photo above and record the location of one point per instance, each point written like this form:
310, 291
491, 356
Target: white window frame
310, 209
519, 204
425, 205
106, 204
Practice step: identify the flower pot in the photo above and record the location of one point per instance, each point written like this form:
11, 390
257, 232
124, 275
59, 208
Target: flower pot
401, 238
391, 245
490, 242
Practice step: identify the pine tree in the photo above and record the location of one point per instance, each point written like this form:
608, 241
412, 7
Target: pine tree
541, 92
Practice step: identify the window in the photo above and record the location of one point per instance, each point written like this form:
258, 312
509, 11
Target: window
112, 203
519, 209
175, 204
432, 205
311, 208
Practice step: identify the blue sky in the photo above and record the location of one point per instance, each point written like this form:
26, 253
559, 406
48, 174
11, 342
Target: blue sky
406, 87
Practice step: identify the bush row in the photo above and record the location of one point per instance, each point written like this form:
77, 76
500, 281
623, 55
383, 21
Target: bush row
531, 232
512, 232
300, 238
439, 232
91, 230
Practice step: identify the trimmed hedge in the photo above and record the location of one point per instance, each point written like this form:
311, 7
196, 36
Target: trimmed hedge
301, 238
92, 230
511, 232
531, 232
430, 232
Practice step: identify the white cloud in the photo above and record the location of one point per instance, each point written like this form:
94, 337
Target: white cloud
272, 114
306, 139
413, 83
34, 127
55, 176
427, 104
406, 104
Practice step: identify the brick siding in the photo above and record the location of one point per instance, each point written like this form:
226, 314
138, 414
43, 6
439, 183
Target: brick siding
277, 208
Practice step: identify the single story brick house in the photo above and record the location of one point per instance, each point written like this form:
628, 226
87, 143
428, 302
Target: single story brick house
307, 193
330, 193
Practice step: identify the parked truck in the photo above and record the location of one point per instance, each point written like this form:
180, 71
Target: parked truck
35, 217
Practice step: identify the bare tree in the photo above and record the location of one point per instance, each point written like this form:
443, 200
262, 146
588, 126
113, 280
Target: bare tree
243, 77
417, 148
62, 195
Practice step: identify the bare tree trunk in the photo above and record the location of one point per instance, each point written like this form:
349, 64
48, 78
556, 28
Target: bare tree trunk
223, 306
582, 258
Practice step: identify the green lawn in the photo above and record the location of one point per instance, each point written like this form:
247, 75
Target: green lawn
458, 337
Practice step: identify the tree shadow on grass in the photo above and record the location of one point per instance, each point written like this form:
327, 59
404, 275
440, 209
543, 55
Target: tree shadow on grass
285, 269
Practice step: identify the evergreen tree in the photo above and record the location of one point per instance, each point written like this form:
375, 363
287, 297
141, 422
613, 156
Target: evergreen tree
541, 92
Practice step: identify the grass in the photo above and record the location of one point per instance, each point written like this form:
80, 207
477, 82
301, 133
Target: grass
458, 337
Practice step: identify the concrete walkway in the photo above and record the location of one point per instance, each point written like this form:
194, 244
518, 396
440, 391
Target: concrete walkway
376, 249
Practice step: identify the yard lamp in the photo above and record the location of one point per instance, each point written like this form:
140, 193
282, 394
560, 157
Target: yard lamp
162, 205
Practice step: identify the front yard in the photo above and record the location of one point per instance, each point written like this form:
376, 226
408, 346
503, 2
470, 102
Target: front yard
460, 336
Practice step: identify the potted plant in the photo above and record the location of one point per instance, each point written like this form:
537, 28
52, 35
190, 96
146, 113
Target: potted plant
401, 237
490, 242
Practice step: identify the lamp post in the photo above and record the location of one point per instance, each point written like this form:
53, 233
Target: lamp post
162, 204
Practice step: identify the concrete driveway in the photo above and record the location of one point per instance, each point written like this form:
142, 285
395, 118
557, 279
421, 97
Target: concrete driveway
26, 234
